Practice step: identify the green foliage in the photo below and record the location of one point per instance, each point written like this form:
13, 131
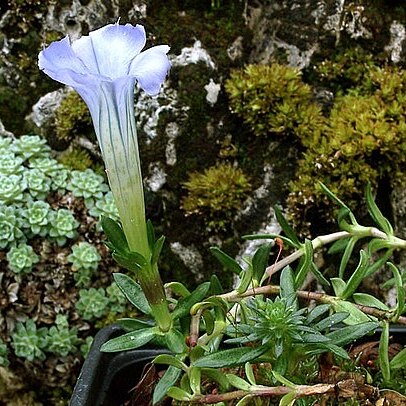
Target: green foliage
92, 303
84, 256
363, 142
217, 194
46, 165
72, 117
87, 184
30, 146
37, 182
28, 341
104, 206
4, 362
63, 225
11, 188
35, 217
273, 100
21, 258
62, 339
10, 226
76, 158
10, 164
116, 298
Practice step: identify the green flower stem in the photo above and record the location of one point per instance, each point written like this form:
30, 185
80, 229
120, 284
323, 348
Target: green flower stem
119, 145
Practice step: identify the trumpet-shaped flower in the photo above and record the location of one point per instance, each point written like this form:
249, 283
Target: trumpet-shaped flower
103, 68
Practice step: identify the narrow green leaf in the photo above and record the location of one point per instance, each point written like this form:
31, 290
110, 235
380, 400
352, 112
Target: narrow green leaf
283, 380
228, 262
356, 316
175, 341
133, 292
306, 264
208, 321
194, 379
184, 304
156, 251
333, 197
316, 312
150, 235
357, 277
178, 288
129, 324
287, 283
133, 261
376, 214
245, 280
231, 357
217, 376
348, 334
288, 400
168, 359
377, 265
179, 394
400, 290
115, 234
169, 379
319, 276
260, 261
215, 285
249, 373
384, 352
338, 286
399, 360
346, 256
287, 229
238, 382
331, 321
129, 341
364, 299
338, 246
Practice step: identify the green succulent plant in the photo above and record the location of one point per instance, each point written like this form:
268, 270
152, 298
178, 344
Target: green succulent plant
28, 341
217, 193
60, 179
38, 183
46, 165
21, 258
84, 256
10, 226
62, 339
10, 164
12, 188
92, 303
30, 146
5, 143
87, 184
62, 225
35, 216
116, 298
105, 206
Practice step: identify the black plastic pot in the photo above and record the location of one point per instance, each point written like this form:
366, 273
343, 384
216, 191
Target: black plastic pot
107, 378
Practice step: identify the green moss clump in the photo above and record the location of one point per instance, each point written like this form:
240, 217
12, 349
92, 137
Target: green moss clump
76, 158
273, 99
72, 118
216, 194
364, 140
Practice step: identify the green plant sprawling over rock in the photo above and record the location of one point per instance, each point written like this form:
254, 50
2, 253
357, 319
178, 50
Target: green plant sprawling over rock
50, 248
273, 99
360, 139
216, 193
72, 117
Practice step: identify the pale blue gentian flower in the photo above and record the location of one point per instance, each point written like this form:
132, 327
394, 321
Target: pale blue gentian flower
103, 68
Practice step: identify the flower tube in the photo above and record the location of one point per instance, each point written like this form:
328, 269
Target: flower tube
103, 68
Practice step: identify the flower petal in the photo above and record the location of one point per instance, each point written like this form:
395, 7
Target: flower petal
58, 59
110, 50
150, 68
